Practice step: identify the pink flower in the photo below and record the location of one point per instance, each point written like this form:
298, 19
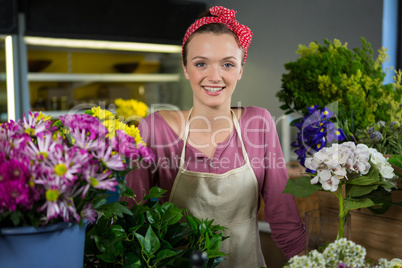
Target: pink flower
66, 162
98, 180
89, 213
111, 161
16, 188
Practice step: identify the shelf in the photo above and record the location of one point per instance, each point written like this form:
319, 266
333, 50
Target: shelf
63, 77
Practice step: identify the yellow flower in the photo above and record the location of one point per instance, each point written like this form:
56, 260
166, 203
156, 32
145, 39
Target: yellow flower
102, 114
45, 117
131, 108
134, 132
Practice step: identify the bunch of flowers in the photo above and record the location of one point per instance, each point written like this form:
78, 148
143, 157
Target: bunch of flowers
316, 130
342, 253
131, 110
56, 171
349, 162
366, 174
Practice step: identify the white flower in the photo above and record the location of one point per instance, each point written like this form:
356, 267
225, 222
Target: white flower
376, 157
331, 184
387, 171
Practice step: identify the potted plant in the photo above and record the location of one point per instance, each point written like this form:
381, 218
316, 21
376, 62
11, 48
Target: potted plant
151, 235
52, 173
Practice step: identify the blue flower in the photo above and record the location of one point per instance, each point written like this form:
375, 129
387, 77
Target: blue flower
315, 132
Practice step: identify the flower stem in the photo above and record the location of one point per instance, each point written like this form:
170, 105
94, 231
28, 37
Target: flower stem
343, 214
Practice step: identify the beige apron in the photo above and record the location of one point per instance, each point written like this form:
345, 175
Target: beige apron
230, 199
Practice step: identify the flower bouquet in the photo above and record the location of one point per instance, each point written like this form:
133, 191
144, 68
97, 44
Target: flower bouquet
367, 176
59, 171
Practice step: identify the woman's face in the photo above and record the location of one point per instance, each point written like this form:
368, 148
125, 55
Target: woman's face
214, 65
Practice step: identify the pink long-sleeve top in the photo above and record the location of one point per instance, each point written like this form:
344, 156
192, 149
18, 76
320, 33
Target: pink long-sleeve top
263, 148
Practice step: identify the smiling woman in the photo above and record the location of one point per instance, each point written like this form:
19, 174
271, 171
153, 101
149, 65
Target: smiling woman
215, 160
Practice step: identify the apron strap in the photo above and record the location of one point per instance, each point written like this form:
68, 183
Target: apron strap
187, 130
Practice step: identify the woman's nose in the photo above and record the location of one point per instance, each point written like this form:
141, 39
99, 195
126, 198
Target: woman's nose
214, 74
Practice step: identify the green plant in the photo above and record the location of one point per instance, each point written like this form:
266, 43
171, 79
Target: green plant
151, 235
385, 137
324, 74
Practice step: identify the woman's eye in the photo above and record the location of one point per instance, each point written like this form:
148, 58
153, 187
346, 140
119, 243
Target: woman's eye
228, 65
200, 64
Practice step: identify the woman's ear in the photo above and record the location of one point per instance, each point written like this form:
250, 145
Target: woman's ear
185, 71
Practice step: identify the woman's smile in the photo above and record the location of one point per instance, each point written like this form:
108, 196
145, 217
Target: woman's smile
213, 90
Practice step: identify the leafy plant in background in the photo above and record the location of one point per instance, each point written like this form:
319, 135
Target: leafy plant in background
385, 137
151, 235
332, 72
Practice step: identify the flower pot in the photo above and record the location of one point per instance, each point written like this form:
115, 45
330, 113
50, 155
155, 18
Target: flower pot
322, 227
56, 245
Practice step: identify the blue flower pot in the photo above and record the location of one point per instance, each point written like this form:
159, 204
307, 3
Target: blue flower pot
57, 245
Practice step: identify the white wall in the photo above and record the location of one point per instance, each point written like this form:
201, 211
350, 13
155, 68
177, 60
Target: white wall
279, 26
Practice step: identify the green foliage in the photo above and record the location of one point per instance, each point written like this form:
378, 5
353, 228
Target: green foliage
150, 235
384, 137
330, 73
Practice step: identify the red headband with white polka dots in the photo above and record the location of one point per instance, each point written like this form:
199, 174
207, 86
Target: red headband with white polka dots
227, 17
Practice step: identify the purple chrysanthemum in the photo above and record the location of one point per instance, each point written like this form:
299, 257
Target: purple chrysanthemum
88, 124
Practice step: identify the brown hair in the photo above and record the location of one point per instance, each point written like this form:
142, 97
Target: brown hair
216, 28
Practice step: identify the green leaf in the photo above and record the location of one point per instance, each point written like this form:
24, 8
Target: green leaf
117, 231
216, 242
284, 107
114, 208
129, 192
140, 239
372, 177
151, 243
132, 260
155, 192
176, 233
301, 187
357, 203
150, 218
193, 225
119, 248
357, 190
215, 253
172, 214
396, 160
107, 257
16, 217
166, 253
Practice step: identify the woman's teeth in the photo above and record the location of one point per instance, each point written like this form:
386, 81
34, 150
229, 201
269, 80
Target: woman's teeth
213, 89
